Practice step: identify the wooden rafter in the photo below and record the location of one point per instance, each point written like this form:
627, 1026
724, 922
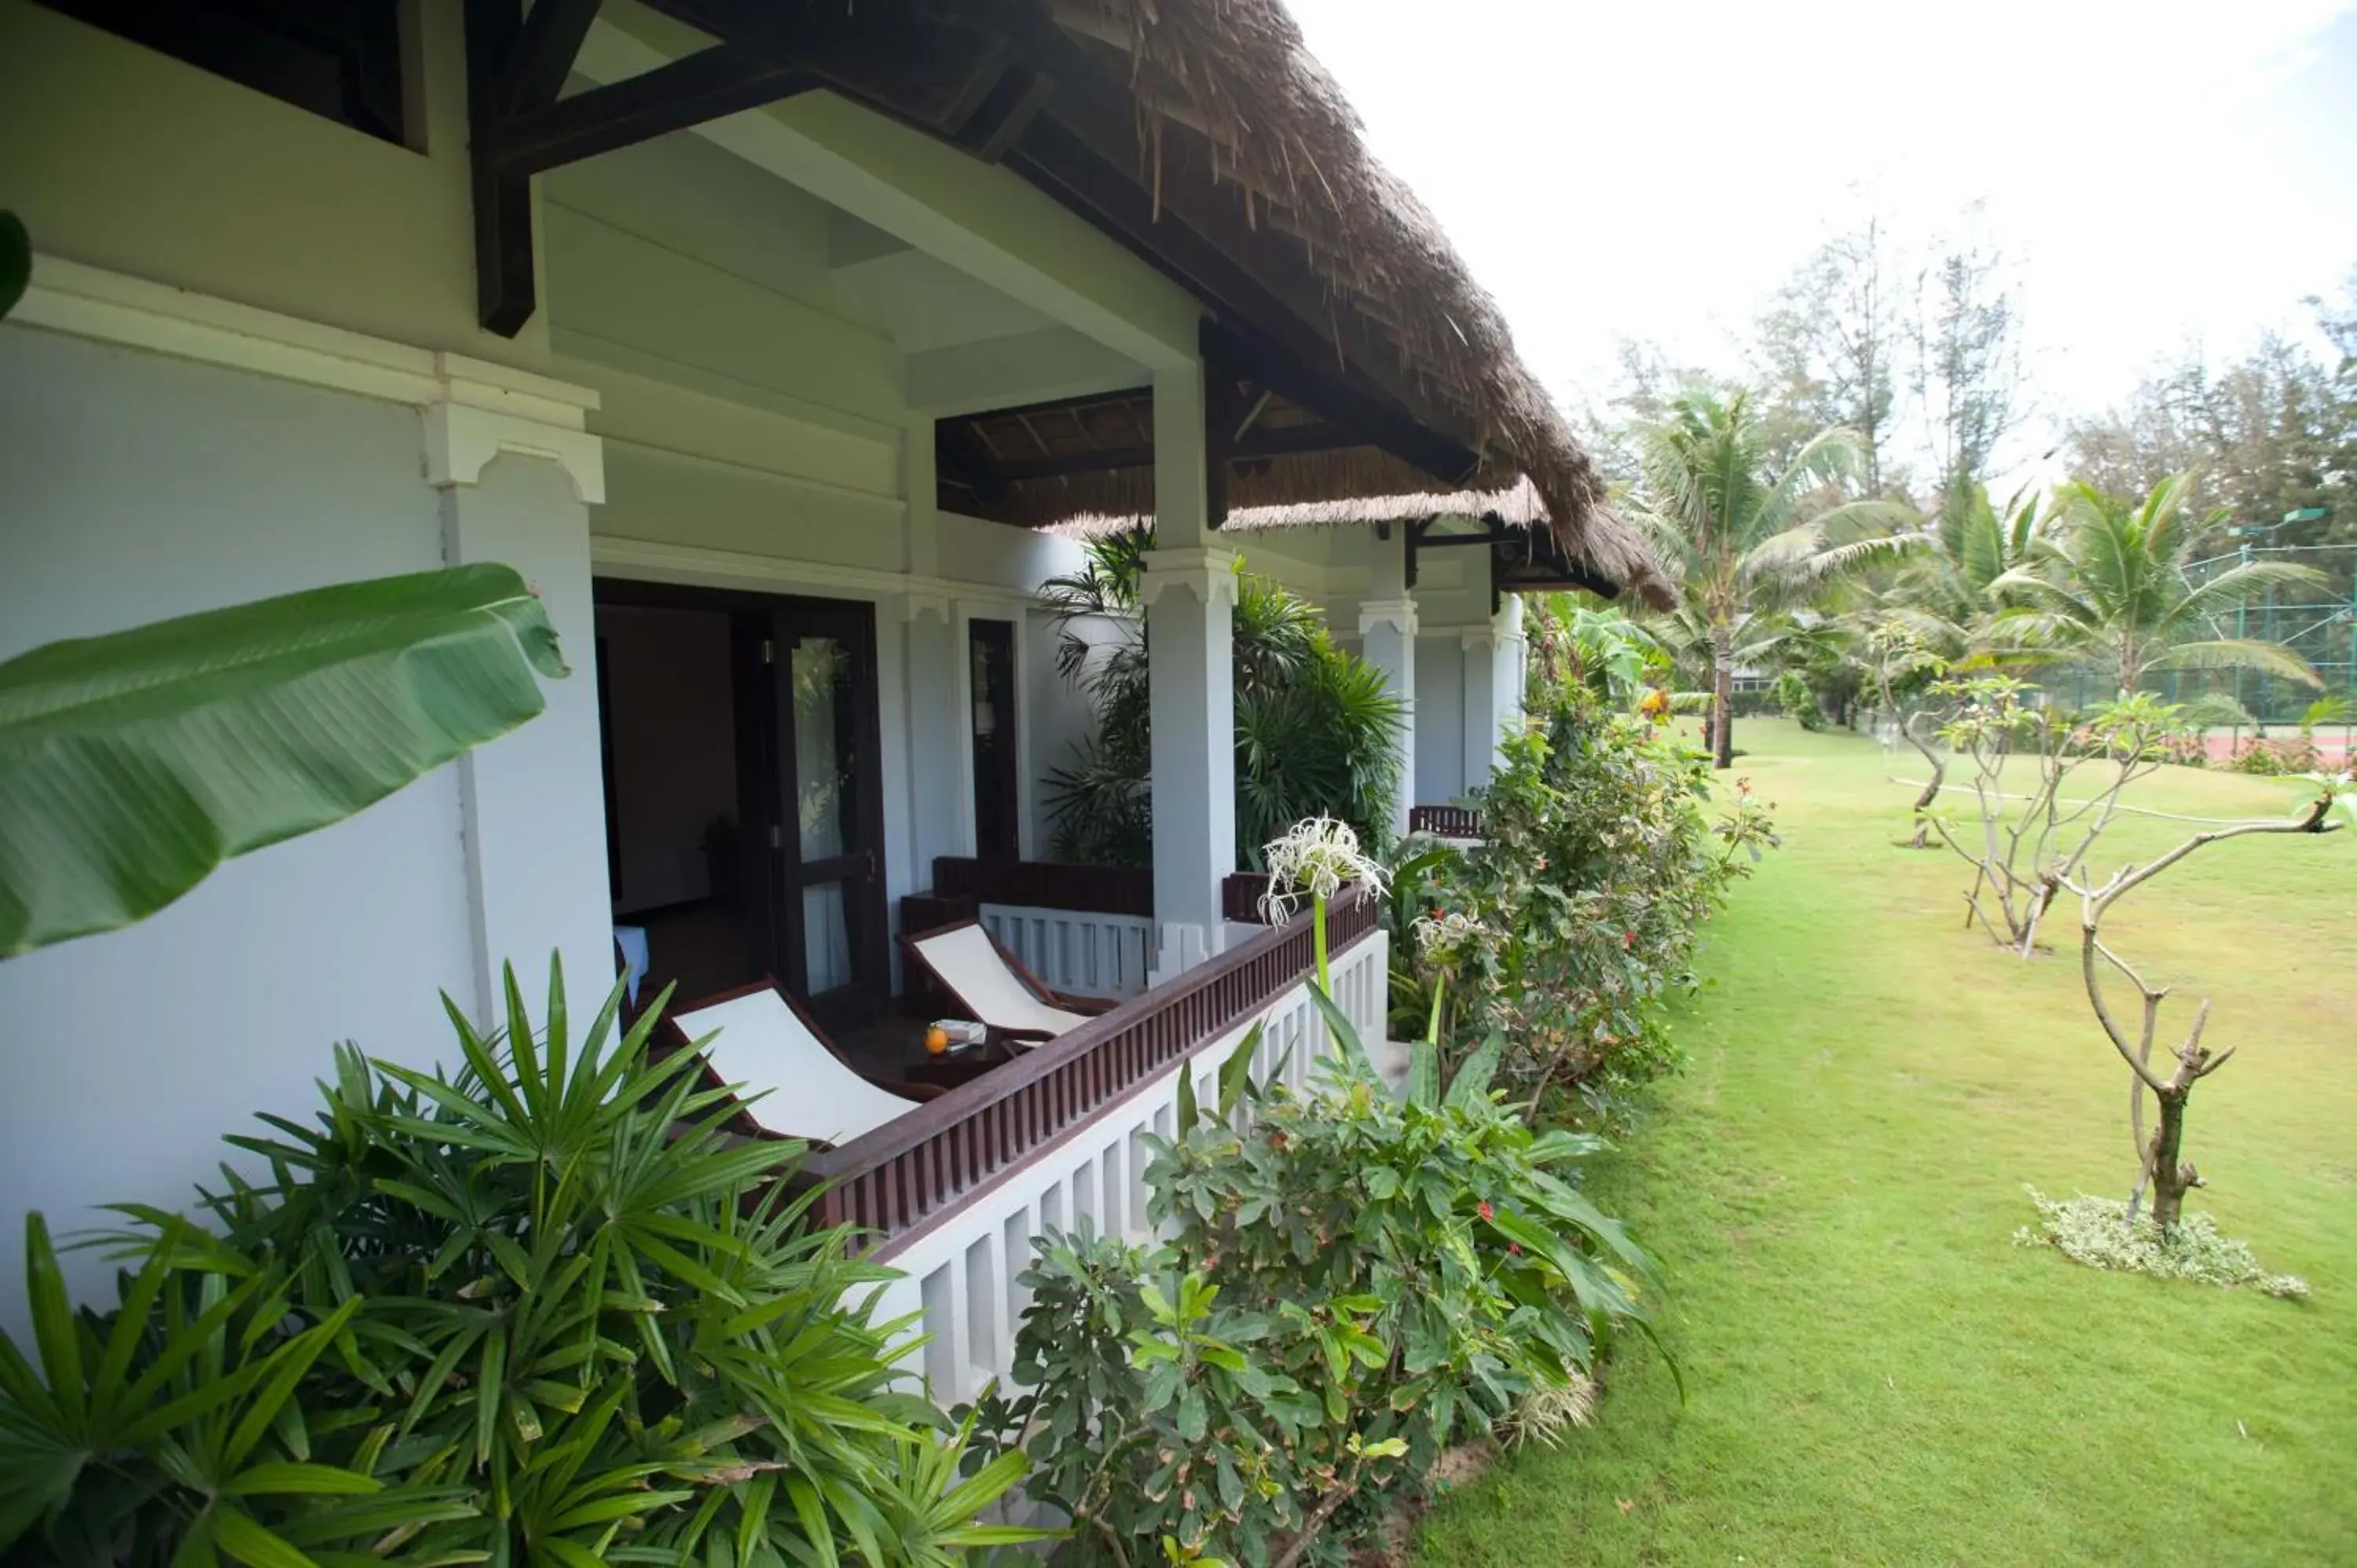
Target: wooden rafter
517, 63
1001, 80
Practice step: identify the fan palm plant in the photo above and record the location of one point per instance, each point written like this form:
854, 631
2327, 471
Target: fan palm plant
1736, 537
2113, 584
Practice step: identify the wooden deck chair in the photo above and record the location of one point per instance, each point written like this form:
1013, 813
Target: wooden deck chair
764, 1042
977, 973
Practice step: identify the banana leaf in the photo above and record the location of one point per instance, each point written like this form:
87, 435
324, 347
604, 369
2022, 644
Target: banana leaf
132, 765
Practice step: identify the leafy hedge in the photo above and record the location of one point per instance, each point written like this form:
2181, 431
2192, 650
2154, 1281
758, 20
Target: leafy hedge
1566, 930
1350, 1284
540, 1312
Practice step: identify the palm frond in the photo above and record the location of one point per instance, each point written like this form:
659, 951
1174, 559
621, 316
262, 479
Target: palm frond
2238, 653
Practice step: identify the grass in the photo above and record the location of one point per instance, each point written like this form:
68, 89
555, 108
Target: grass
1875, 1374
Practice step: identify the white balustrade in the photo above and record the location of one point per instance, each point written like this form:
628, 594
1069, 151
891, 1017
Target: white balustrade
960, 1272
1078, 951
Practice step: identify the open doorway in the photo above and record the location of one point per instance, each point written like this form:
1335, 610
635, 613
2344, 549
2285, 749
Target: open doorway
743, 793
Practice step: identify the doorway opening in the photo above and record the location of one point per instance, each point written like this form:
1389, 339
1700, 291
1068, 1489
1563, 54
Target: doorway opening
990, 653
744, 793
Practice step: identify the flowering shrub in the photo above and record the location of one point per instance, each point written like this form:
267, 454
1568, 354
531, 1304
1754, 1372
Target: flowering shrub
1349, 1285
2098, 1232
1566, 930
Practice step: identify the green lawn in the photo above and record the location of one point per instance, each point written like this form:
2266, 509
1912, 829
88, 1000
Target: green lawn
1875, 1373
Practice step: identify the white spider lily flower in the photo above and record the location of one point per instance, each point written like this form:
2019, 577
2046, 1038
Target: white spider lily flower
1441, 937
1314, 860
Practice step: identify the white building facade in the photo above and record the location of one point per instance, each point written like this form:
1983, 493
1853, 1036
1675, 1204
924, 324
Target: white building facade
254, 359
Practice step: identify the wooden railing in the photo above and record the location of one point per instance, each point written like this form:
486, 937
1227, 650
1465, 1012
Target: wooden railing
1240, 896
1444, 821
1046, 885
895, 1181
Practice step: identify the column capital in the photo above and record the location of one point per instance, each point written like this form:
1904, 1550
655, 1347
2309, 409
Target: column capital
462, 440
480, 410
1399, 614
917, 603
1208, 574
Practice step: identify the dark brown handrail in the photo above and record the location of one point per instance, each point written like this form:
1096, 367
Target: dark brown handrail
891, 1182
1444, 821
1240, 896
1047, 885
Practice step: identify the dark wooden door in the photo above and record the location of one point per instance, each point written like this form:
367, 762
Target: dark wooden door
990, 653
828, 840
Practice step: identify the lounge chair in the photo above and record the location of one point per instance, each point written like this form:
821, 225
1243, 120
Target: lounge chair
763, 1042
994, 988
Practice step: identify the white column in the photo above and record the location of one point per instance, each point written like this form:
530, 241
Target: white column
1477, 707
940, 760
934, 733
517, 474
1189, 595
1387, 633
1493, 686
1508, 654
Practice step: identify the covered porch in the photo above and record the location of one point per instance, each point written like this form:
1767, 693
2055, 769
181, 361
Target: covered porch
767, 352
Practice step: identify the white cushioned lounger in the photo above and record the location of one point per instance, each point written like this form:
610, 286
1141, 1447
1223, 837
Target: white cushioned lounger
970, 964
805, 1090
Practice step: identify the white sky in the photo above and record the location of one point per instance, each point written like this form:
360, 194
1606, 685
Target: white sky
2157, 173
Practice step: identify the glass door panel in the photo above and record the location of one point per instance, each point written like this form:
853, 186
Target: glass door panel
830, 842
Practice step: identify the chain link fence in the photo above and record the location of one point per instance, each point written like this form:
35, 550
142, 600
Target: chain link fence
2320, 624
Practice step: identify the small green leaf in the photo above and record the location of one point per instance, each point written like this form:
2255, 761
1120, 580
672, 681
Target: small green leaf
298, 1480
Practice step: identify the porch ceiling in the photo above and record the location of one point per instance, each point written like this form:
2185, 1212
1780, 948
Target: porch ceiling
1197, 134
1048, 462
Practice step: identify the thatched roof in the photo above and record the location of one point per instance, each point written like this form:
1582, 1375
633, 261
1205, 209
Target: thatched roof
1530, 557
1229, 94
1517, 508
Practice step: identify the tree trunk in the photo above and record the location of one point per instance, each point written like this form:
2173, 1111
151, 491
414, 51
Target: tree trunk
1722, 698
2171, 1177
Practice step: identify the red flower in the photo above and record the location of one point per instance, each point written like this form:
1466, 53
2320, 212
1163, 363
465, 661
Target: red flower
1628, 939
1513, 1249
1483, 1209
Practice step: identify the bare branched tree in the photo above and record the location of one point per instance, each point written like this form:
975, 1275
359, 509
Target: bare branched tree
2027, 843
2161, 1162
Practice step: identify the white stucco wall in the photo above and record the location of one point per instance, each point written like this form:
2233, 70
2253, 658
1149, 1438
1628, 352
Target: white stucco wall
759, 387
139, 487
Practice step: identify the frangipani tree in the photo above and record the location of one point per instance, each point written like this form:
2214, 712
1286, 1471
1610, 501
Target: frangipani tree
1737, 538
2111, 584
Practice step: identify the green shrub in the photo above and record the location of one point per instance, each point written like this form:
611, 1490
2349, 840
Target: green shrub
542, 1311
1316, 729
1350, 1284
1795, 701
1566, 932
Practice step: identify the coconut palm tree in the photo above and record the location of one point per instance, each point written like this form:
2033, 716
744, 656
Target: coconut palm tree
1733, 536
1951, 589
2112, 582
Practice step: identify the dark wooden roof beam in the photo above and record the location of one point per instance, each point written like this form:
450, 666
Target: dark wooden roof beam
542, 53
1258, 446
716, 82
1377, 423
1014, 101
961, 458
